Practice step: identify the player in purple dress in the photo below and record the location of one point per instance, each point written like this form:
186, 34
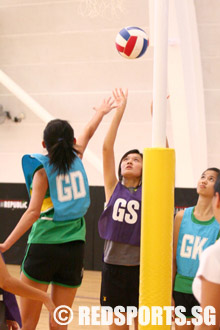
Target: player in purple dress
119, 224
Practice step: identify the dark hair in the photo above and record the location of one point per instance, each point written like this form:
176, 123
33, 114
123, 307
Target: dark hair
132, 151
215, 169
217, 184
59, 138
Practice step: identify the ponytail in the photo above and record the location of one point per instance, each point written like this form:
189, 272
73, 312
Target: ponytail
58, 138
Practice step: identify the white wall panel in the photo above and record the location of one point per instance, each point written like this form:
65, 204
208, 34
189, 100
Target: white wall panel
79, 106
209, 41
62, 16
89, 76
212, 104
207, 11
71, 47
68, 63
211, 73
208, 18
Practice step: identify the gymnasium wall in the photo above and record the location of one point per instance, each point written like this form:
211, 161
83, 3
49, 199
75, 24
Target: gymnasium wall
68, 63
14, 201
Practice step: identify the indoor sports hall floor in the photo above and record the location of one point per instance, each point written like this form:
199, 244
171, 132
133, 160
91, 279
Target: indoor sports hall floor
87, 295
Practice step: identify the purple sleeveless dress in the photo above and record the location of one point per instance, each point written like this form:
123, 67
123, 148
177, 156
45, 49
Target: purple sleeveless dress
121, 220
11, 307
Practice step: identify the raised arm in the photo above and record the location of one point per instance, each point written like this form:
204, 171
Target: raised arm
106, 106
177, 224
13, 285
110, 179
39, 188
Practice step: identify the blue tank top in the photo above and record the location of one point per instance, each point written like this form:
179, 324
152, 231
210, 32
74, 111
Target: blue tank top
121, 220
69, 193
194, 237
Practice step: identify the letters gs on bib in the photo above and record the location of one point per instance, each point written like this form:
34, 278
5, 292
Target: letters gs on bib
70, 186
125, 211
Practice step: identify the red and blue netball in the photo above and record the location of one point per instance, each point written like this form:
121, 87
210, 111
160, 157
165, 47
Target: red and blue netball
131, 42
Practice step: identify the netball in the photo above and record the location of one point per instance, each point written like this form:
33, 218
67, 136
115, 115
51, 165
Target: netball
131, 42
110, 184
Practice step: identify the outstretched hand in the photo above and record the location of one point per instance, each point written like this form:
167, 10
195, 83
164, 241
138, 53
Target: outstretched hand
120, 97
106, 106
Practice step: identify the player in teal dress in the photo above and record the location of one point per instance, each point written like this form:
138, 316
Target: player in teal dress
59, 191
195, 229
